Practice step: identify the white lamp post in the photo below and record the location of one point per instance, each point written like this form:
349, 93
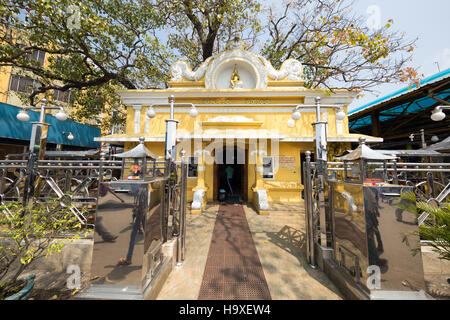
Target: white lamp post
37, 131
171, 124
38, 141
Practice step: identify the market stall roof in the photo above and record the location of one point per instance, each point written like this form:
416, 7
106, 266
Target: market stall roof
140, 151
412, 153
72, 154
439, 146
366, 153
11, 128
389, 104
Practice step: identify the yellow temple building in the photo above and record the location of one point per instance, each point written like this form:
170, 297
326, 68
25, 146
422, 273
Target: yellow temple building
245, 121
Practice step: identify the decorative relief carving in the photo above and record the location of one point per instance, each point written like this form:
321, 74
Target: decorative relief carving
231, 56
291, 68
181, 69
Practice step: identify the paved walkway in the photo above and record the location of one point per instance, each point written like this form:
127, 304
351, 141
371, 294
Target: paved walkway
233, 270
279, 242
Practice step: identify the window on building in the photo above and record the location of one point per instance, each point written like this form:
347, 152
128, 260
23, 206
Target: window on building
63, 96
36, 55
23, 84
193, 167
268, 168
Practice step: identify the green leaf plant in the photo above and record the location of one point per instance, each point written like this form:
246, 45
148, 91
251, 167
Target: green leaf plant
436, 228
31, 233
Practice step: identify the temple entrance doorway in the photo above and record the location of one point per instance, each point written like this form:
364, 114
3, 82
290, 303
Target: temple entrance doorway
231, 175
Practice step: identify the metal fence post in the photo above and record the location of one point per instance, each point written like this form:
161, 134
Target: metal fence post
308, 212
182, 213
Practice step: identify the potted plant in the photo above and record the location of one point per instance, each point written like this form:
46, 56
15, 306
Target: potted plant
28, 234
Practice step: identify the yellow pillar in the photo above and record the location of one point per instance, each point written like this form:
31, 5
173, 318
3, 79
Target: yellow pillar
260, 197
199, 200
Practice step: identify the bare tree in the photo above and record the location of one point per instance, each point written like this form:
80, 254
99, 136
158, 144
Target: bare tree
336, 46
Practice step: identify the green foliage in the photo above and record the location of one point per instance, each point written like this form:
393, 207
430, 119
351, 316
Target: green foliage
28, 234
436, 228
130, 44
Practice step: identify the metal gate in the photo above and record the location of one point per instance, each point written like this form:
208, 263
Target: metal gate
76, 184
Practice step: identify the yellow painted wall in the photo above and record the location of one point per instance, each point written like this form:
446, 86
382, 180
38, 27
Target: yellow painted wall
5, 75
275, 122
286, 186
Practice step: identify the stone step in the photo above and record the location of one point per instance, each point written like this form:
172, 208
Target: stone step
110, 292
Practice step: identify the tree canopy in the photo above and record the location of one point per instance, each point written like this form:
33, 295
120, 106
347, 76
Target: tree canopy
95, 47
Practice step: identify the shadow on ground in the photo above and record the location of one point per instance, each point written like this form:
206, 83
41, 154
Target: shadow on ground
293, 241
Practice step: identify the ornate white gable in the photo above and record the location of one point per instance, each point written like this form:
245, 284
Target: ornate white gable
236, 68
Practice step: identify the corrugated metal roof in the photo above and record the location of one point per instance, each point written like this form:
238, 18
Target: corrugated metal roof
427, 81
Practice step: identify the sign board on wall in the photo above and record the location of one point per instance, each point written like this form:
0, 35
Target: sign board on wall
286, 161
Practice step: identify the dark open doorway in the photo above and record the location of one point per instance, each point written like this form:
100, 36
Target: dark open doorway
230, 176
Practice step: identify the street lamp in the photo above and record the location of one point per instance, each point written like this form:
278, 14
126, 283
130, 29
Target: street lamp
296, 114
69, 135
422, 134
38, 141
171, 123
23, 114
437, 114
340, 114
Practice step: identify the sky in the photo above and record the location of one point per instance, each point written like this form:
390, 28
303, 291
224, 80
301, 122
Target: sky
426, 20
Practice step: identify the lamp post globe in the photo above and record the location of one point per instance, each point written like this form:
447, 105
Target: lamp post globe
193, 112
61, 116
23, 116
291, 123
151, 112
437, 114
296, 115
340, 114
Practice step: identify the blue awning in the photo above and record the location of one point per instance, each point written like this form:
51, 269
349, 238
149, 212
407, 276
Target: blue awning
12, 128
395, 104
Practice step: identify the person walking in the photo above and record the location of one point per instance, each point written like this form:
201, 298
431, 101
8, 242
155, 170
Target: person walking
229, 171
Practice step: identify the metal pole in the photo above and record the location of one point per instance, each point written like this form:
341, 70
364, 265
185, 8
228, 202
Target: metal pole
422, 135
321, 140
171, 133
308, 212
182, 216
395, 172
100, 167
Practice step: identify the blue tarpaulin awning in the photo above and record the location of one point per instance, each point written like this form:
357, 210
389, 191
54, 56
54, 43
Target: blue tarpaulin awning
12, 128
